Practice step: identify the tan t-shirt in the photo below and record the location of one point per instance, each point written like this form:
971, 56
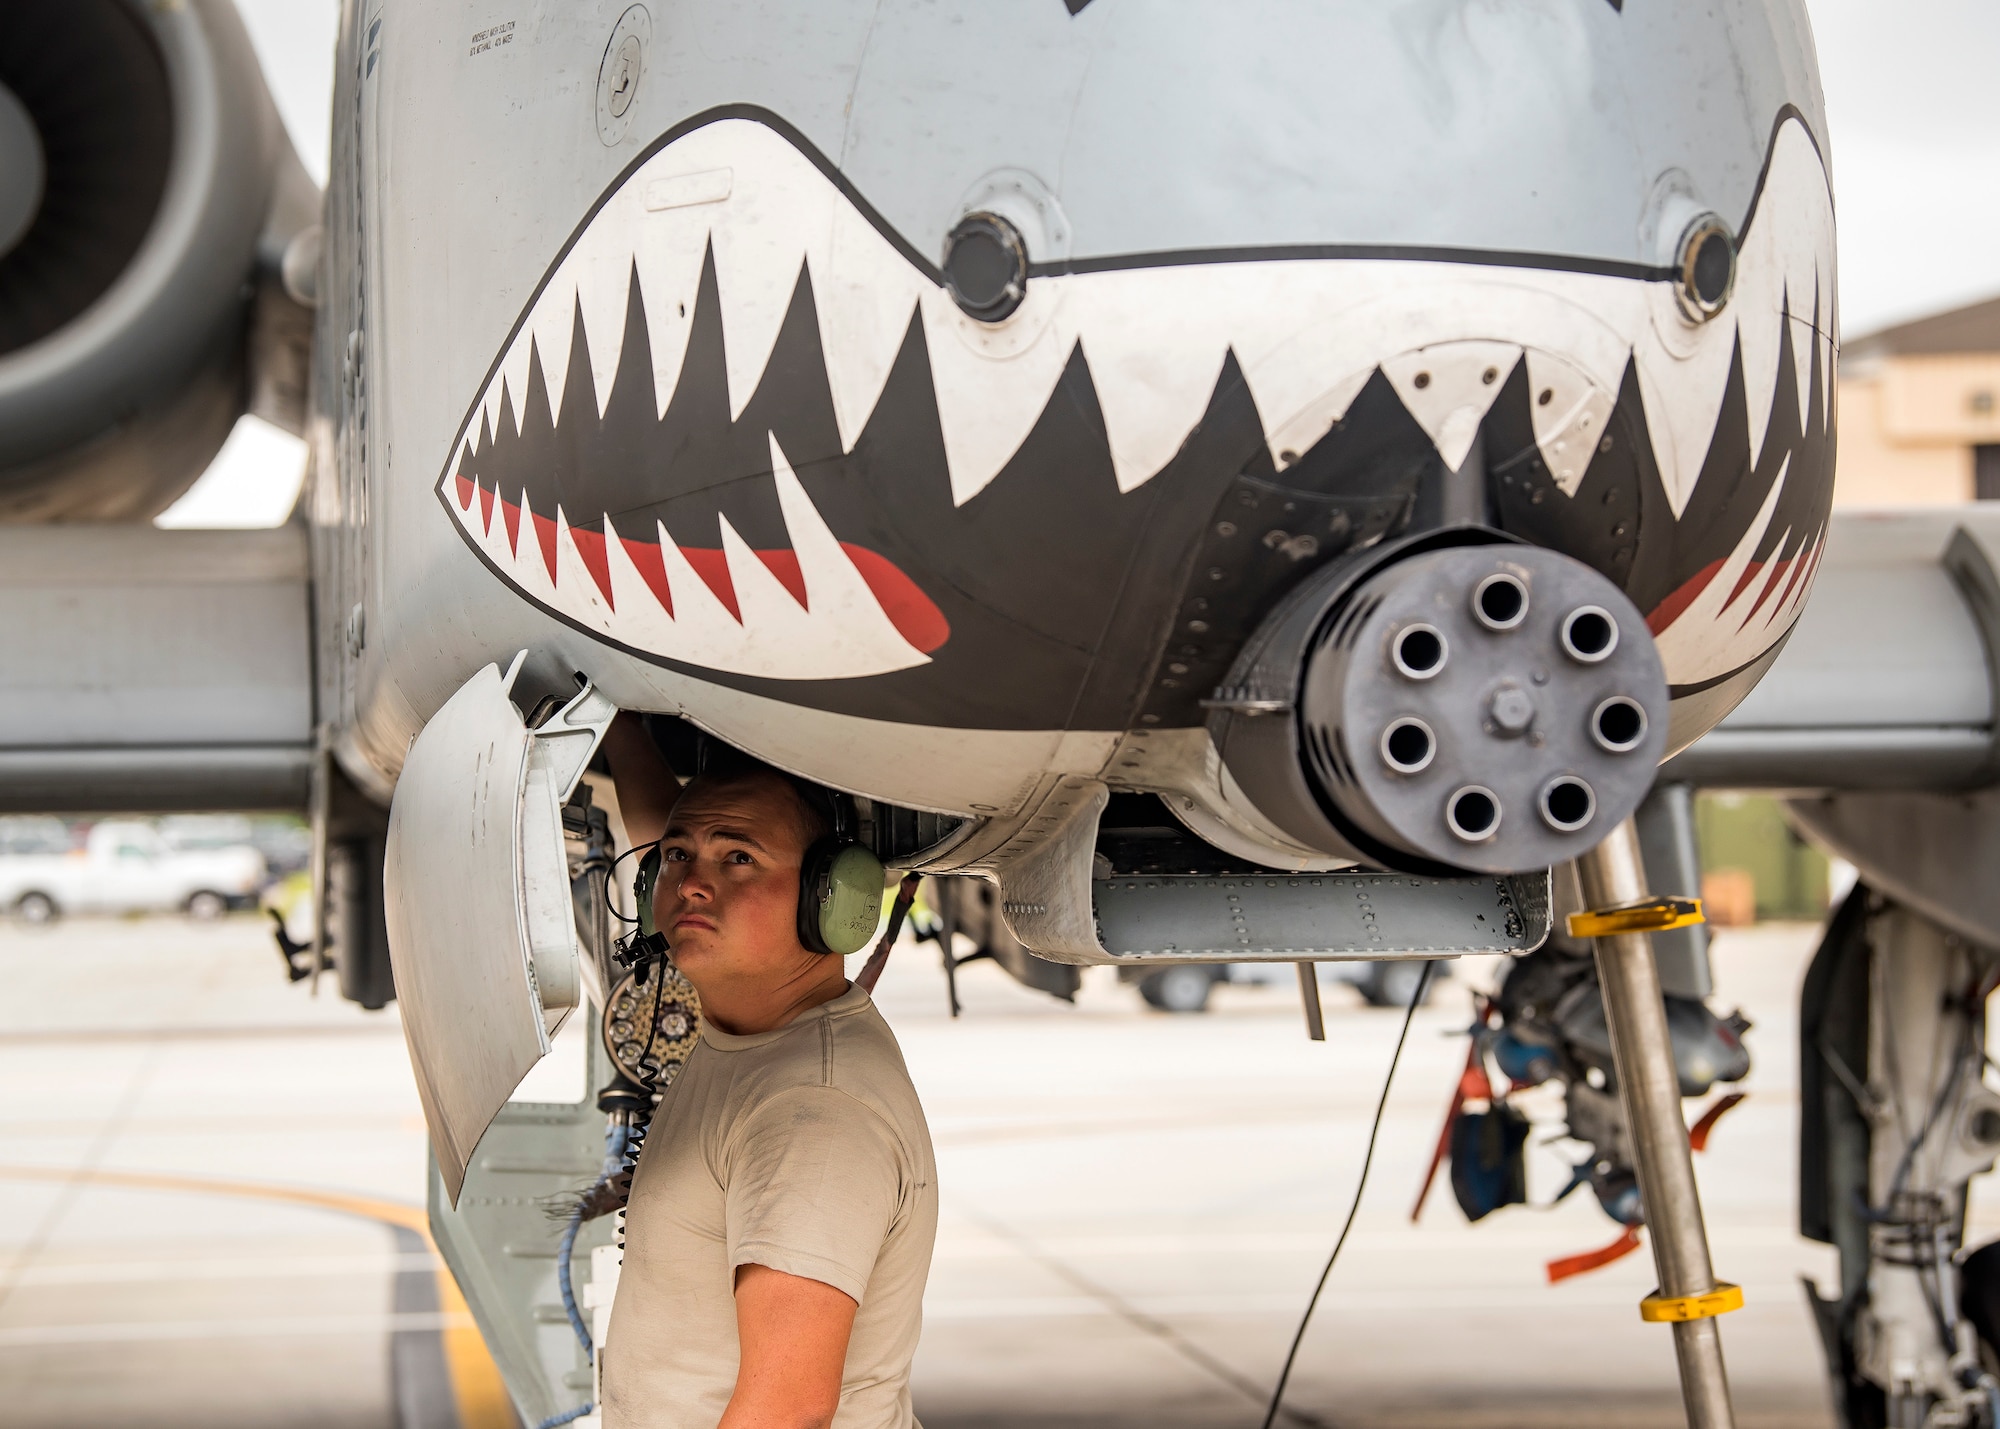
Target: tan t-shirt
803, 1149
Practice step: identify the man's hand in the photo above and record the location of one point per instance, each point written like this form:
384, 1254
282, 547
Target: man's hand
793, 1335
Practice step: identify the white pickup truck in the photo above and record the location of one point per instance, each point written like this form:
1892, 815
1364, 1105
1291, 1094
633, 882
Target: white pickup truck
124, 866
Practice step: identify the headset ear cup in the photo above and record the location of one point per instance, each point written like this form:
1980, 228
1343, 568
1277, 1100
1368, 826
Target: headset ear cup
853, 905
840, 897
642, 888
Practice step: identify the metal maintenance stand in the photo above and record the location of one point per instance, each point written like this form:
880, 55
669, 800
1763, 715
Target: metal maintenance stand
1621, 920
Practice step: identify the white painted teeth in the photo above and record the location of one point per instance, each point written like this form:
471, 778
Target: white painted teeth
992, 384
602, 294
1449, 387
837, 597
783, 217
1682, 391
1570, 414
1785, 260
1154, 365
1307, 335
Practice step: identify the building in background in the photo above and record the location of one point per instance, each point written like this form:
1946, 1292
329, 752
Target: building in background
1919, 412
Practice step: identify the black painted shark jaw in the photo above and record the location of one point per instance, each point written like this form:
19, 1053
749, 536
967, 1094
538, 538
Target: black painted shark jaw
742, 429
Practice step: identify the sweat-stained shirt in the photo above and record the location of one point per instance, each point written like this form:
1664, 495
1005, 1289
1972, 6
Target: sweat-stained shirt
803, 1149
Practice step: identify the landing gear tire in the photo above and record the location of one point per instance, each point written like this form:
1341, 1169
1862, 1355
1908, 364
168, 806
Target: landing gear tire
37, 910
206, 907
1178, 989
1392, 984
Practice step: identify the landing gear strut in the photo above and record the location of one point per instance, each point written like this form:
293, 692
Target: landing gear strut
1899, 1120
1689, 1297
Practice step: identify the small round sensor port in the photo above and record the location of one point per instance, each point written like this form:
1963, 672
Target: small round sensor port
1408, 746
1618, 724
986, 266
1705, 268
1473, 814
1567, 803
1500, 602
1418, 651
1589, 634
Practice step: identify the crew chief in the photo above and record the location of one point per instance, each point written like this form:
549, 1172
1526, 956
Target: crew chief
782, 1214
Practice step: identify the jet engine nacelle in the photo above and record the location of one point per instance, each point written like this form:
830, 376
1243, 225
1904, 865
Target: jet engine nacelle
148, 194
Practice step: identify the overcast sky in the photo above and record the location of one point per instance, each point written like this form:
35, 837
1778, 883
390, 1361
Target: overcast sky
1915, 134
1915, 131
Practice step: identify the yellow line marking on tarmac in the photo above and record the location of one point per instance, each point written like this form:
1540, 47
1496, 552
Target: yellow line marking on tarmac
483, 1402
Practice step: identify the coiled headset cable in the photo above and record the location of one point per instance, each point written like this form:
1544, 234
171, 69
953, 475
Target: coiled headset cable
610, 871
1367, 1160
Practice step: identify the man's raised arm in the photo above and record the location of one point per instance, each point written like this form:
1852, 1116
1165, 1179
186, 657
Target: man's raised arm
647, 788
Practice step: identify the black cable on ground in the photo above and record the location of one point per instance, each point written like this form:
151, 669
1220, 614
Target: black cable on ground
1367, 1160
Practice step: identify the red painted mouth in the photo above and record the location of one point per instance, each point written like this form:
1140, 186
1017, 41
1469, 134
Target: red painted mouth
915, 615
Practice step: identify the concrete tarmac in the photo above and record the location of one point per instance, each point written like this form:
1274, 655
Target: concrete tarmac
1135, 1206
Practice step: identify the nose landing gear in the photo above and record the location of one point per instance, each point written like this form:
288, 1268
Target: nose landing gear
1689, 1297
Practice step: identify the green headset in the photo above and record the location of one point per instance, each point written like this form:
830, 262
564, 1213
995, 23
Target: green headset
840, 887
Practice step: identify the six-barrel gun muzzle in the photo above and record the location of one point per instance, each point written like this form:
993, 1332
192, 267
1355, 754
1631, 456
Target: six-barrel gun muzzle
1488, 706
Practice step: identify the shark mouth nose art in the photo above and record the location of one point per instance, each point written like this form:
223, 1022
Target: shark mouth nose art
743, 427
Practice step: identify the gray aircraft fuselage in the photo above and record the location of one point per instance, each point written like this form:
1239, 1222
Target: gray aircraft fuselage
679, 395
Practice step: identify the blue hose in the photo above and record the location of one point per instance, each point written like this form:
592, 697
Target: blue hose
555, 1421
616, 1138
564, 1249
